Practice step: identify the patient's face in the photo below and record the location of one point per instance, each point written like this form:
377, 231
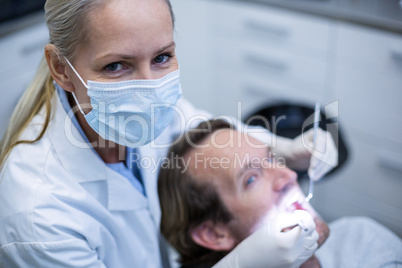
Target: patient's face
252, 184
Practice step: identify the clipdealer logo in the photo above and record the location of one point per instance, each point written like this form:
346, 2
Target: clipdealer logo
183, 123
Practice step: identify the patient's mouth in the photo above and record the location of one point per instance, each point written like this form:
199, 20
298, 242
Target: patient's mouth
296, 206
293, 201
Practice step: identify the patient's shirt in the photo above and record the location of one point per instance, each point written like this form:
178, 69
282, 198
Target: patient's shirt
360, 242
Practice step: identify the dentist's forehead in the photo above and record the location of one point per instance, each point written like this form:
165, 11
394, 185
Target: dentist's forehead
131, 26
126, 14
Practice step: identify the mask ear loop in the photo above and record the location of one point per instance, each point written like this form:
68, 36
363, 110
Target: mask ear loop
82, 81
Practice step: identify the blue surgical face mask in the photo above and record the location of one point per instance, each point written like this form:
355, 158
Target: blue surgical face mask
131, 113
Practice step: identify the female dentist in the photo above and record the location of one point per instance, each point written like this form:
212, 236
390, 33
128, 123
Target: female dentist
71, 194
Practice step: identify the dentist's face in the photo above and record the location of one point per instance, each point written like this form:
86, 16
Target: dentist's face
251, 183
126, 39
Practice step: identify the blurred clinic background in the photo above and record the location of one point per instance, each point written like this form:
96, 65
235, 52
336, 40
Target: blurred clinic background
276, 57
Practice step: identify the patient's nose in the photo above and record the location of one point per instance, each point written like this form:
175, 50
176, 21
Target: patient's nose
284, 177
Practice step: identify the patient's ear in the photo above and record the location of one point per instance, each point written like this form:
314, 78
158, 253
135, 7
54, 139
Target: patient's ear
215, 236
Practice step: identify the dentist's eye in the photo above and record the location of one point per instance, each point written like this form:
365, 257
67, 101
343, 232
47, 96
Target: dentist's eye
250, 180
114, 67
162, 58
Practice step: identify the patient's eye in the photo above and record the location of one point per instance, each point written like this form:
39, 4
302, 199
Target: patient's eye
250, 180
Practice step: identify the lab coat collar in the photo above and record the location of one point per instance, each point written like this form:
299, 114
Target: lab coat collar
82, 163
150, 175
121, 193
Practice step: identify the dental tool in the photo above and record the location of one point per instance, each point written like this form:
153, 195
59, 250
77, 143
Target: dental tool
304, 228
293, 202
315, 127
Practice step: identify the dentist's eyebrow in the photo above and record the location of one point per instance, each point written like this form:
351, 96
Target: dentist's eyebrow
130, 57
123, 56
165, 47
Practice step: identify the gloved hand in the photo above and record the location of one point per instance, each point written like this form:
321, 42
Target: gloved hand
297, 152
270, 247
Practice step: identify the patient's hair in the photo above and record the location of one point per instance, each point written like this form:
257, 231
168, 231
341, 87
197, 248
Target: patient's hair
185, 202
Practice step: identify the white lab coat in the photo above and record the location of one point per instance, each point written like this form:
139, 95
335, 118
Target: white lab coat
61, 206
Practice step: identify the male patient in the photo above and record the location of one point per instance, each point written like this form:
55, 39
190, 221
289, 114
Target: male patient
220, 185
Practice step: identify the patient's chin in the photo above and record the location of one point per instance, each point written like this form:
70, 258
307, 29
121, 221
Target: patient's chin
323, 231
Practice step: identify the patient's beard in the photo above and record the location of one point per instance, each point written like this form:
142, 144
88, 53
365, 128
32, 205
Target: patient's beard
240, 229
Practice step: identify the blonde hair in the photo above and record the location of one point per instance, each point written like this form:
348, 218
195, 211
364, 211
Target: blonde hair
65, 20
